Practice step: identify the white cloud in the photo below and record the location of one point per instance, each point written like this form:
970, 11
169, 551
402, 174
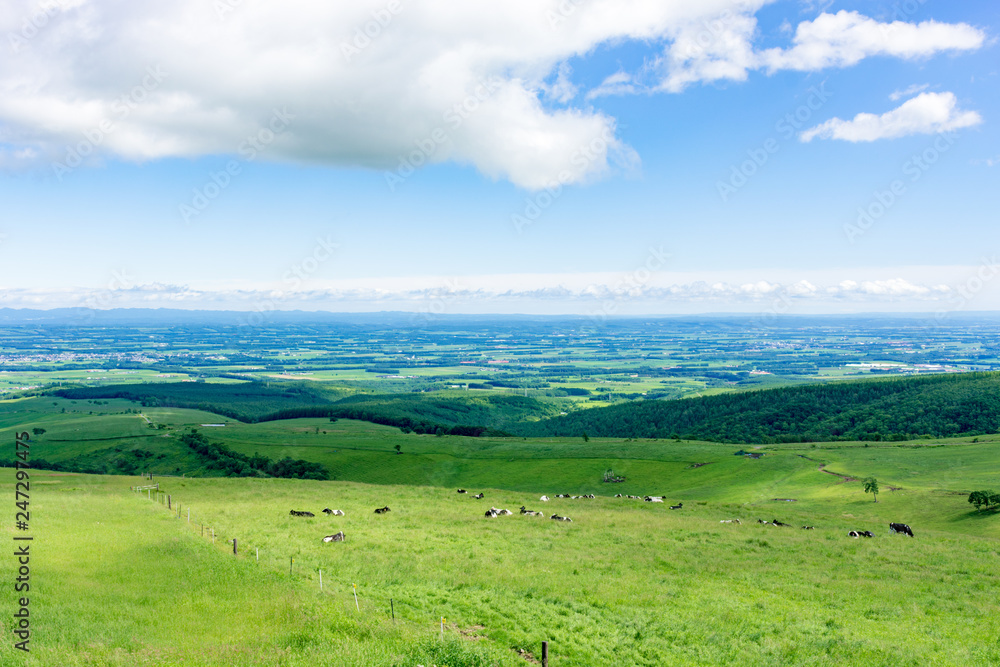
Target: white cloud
846, 38
368, 82
897, 95
926, 113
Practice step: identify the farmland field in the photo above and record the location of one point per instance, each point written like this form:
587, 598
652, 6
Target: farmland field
625, 582
239, 431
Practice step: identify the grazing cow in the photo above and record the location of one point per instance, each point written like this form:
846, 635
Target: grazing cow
808, 527
297, 513
618, 495
677, 506
560, 518
382, 510
900, 528
730, 521
462, 491
544, 499
775, 522
339, 537
480, 496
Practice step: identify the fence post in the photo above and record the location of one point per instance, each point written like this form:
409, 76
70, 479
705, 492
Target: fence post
392, 610
168, 501
234, 546
545, 654
321, 581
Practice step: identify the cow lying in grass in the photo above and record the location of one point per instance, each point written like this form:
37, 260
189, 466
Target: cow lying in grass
382, 510
556, 517
730, 521
529, 512
860, 533
480, 496
339, 537
297, 513
677, 506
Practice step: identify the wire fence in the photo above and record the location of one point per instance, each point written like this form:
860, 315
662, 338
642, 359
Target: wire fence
301, 568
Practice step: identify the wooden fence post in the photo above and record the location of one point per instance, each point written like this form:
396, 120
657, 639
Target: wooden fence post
545, 654
168, 501
234, 546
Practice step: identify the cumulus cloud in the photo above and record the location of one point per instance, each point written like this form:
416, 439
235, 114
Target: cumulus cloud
369, 82
926, 113
846, 38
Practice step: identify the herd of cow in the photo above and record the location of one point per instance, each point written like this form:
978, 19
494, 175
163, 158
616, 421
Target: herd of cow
494, 512
893, 528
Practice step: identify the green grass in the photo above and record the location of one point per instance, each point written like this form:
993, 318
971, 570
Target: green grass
119, 580
627, 582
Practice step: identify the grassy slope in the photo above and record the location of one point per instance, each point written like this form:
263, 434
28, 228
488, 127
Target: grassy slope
625, 583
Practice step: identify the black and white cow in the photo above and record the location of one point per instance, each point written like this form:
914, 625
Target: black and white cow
339, 537
382, 510
808, 527
556, 517
544, 499
297, 513
677, 506
775, 522
861, 533
900, 528
462, 491
530, 512
730, 521
480, 496
333, 512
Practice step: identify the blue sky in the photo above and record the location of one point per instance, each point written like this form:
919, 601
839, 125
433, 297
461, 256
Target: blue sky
712, 156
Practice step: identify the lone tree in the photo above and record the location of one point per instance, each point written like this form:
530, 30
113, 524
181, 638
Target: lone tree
586, 438
38, 431
984, 499
398, 447
871, 486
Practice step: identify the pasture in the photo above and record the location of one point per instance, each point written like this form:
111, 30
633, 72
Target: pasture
626, 583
